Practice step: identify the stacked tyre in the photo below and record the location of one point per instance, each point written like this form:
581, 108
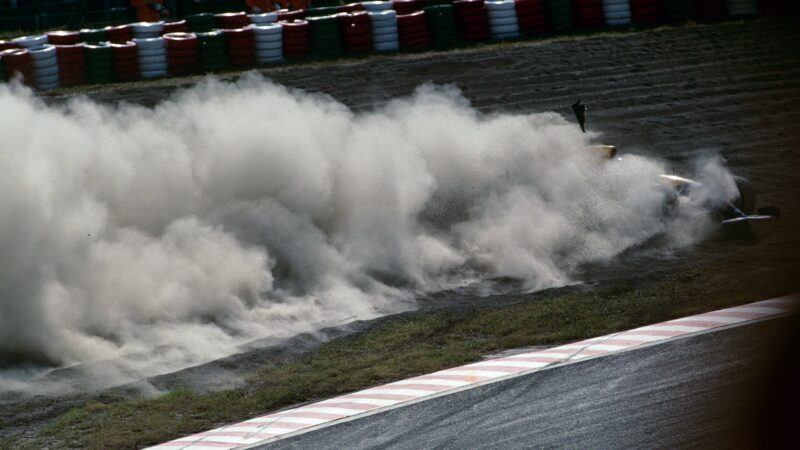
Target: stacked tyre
350, 8
152, 57
119, 34
356, 31
182, 53
502, 19
125, 56
43, 59
739, 8
147, 30
326, 39
711, 10
211, 46
296, 38
441, 25
531, 16
472, 20
376, 6
63, 37
269, 43
240, 45
201, 23
180, 26
321, 11
617, 12
412, 31
588, 13
384, 30
232, 21
288, 16
99, 63
263, 19
93, 36
679, 10
560, 15
646, 12
403, 7
18, 63
71, 65
45, 67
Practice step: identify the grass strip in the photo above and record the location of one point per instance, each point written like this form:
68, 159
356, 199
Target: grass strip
395, 349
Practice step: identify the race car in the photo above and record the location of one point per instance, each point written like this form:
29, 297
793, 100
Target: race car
738, 218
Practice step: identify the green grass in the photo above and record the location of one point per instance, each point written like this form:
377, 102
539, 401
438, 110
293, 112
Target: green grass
393, 350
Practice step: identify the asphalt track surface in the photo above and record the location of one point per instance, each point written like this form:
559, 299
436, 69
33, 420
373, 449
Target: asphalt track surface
729, 388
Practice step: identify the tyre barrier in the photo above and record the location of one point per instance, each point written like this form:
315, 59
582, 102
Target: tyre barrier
152, 57
29, 42
376, 6
326, 37
740, 8
128, 52
211, 49
385, 37
201, 23
356, 29
321, 11
412, 31
63, 37
240, 46
287, 16
441, 25
232, 21
99, 63
472, 20
119, 34
262, 19
296, 38
147, 30
182, 54
180, 26
646, 12
7, 45
588, 13
45, 67
503, 22
269, 42
404, 7
617, 12
18, 63
679, 10
350, 8
71, 64
531, 16
125, 57
93, 36
711, 10
559, 15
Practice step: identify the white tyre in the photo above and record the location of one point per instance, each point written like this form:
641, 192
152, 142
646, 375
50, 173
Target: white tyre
45, 71
30, 42
500, 5
147, 27
505, 29
501, 14
503, 22
376, 6
150, 43
269, 17
269, 46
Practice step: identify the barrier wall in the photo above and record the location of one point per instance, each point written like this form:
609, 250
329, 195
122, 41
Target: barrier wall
205, 42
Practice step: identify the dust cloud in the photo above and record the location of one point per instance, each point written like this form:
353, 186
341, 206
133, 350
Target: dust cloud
164, 237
